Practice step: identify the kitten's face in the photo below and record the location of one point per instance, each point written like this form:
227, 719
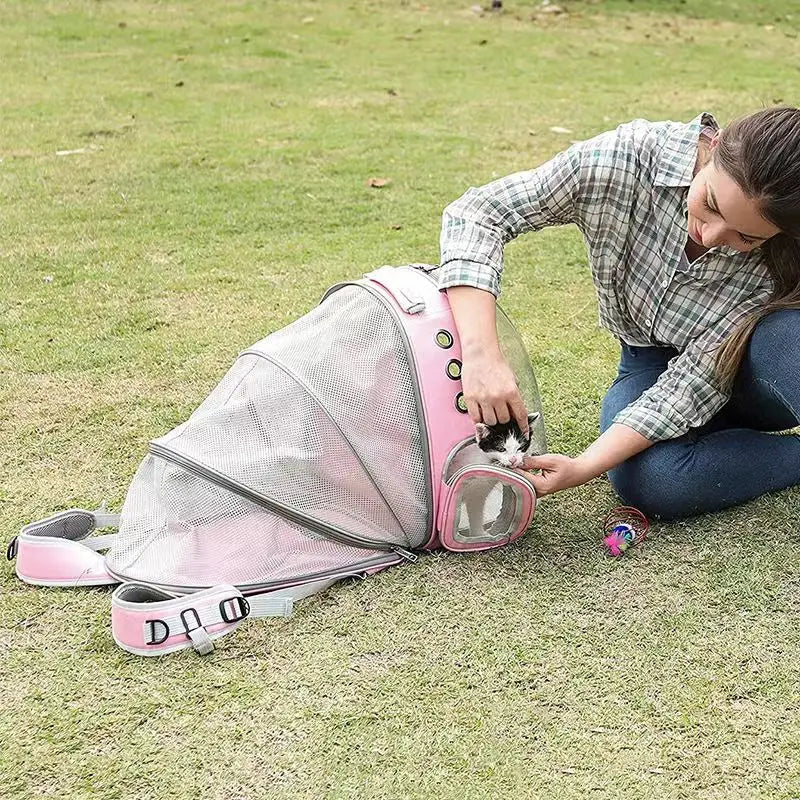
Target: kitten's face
505, 443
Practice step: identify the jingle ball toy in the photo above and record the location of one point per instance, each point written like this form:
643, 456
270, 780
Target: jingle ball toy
625, 526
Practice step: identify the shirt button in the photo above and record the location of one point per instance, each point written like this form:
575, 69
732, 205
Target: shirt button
665, 282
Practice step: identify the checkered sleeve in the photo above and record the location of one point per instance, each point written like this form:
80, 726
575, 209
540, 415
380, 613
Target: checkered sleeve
477, 226
590, 177
686, 395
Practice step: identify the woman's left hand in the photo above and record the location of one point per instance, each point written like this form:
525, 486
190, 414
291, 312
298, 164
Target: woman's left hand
557, 473
615, 445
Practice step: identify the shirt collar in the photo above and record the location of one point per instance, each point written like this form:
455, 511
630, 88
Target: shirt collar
676, 161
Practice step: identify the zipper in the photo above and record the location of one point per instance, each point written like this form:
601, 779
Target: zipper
353, 570
276, 507
408, 555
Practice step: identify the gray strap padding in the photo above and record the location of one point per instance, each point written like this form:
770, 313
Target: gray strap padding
75, 524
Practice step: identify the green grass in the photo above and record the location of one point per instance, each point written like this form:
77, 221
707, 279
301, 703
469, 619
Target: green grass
220, 189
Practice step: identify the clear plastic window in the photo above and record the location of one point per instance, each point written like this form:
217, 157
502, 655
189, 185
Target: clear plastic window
517, 356
487, 510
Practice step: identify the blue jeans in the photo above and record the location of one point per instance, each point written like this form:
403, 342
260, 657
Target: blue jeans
730, 459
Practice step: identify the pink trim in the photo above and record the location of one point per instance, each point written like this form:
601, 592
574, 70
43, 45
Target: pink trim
132, 613
446, 426
49, 561
447, 515
129, 626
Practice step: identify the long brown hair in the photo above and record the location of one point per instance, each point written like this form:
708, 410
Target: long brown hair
761, 152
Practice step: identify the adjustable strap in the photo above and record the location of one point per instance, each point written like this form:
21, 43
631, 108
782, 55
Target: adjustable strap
259, 603
151, 622
59, 551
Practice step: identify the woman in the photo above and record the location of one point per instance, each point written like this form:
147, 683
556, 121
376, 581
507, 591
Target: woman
691, 234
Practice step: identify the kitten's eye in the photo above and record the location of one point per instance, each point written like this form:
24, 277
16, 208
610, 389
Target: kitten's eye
501, 448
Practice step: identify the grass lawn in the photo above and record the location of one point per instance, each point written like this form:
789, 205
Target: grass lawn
180, 178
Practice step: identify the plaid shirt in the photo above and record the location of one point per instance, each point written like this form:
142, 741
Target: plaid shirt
626, 191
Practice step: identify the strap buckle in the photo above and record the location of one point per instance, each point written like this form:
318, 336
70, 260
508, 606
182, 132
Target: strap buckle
197, 624
239, 614
201, 641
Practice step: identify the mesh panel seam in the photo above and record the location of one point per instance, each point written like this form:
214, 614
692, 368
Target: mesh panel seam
303, 385
221, 480
351, 570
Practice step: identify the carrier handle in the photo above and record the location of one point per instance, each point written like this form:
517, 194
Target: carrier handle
396, 283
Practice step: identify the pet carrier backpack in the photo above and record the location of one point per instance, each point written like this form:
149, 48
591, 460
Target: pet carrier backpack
327, 451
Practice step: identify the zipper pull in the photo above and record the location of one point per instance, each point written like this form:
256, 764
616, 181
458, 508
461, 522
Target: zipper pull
412, 558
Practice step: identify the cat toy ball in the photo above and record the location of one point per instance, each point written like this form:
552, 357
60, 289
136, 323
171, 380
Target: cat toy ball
625, 526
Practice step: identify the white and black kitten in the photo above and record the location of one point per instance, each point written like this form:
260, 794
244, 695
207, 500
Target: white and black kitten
504, 443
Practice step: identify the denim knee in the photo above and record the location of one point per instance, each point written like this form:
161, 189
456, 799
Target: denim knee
774, 343
656, 482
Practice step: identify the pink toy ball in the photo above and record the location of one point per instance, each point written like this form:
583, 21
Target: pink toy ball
624, 526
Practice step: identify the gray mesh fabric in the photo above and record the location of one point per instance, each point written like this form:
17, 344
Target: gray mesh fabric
320, 417
73, 525
179, 530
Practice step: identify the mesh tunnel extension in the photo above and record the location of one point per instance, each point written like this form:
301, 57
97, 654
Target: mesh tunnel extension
319, 418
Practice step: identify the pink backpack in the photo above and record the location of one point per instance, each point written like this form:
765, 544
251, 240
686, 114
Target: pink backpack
327, 451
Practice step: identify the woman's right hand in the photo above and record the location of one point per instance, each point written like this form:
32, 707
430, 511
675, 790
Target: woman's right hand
490, 390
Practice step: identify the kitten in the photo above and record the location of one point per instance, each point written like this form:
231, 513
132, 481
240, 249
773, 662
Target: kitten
505, 443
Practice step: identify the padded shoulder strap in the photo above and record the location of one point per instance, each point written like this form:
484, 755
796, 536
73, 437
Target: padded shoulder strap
59, 551
151, 622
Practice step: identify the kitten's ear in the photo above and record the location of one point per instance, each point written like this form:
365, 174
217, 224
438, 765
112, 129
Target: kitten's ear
532, 418
481, 432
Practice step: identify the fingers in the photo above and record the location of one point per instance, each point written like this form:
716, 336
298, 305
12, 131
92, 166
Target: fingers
548, 463
501, 411
495, 411
474, 410
491, 393
539, 485
540, 482
489, 417
520, 413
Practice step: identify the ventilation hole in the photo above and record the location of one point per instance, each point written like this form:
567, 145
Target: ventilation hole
454, 369
444, 339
